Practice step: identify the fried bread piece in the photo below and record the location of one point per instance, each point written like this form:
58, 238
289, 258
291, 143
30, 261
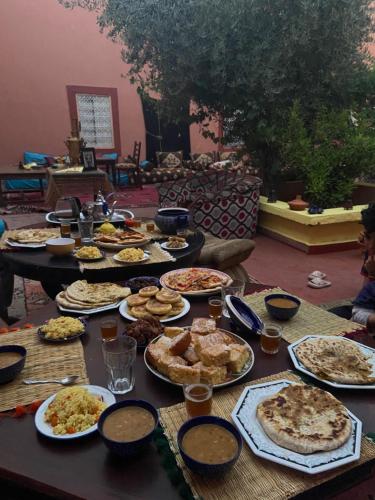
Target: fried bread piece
172, 331
166, 360
203, 326
184, 374
239, 354
213, 374
190, 355
217, 355
157, 349
180, 343
217, 338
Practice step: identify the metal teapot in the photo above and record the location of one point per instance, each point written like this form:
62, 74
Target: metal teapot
101, 208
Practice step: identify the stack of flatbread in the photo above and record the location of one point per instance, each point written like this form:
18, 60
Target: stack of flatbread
32, 235
337, 360
83, 296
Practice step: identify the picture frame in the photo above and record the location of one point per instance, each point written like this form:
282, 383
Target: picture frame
88, 159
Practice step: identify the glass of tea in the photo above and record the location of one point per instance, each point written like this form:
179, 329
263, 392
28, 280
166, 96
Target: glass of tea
65, 229
137, 223
150, 227
108, 328
198, 398
215, 308
270, 338
77, 239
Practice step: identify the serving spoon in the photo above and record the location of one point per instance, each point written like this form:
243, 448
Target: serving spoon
63, 381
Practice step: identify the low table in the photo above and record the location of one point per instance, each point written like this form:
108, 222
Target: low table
15, 173
83, 468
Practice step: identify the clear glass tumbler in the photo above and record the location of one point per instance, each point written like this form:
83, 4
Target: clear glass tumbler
86, 228
237, 287
119, 356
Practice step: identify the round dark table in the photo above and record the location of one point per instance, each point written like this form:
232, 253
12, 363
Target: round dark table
53, 271
83, 468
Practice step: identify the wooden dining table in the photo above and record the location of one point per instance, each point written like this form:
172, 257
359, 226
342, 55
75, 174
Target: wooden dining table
84, 468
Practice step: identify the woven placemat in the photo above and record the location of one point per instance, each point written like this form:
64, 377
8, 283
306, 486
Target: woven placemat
154, 235
55, 233
251, 476
157, 255
310, 319
43, 361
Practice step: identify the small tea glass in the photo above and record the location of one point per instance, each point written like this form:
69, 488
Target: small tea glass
108, 329
198, 398
215, 308
119, 356
76, 235
237, 287
65, 229
270, 338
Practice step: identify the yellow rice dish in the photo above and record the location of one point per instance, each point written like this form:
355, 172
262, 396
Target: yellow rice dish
88, 253
131, 254
73, 410
62, 327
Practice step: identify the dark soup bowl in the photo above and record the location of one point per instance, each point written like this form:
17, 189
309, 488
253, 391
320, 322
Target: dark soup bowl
141, 426
12, 361
135, 284
211, 468
282, 306
169, 220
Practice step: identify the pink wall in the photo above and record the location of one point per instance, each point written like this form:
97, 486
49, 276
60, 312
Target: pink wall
45, 47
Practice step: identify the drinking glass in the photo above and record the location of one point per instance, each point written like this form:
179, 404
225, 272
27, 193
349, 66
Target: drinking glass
76, 235
108, 328
215, 308
198, 398
270, 338
119, 355
65, 229
86, 228
237, 287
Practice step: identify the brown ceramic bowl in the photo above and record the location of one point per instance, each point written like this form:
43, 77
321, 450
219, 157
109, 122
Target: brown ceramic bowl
60, 246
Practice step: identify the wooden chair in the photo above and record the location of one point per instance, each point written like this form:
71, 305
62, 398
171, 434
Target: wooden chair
131, 167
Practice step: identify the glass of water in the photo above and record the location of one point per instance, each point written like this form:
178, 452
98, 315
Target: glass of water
86, 228
237, 287
119, 356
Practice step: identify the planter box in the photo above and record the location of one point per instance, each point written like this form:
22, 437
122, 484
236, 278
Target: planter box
335, 229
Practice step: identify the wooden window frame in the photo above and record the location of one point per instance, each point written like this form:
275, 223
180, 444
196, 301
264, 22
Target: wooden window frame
73, 90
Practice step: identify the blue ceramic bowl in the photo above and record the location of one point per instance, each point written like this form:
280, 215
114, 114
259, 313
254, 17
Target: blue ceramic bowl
127, 448
10, 372
169, 220
135, 283
200, 467
242, 315
282, 313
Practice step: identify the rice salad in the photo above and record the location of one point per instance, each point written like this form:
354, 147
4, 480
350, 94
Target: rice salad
73, 410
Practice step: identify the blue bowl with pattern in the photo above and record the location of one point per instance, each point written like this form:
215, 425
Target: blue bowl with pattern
205, 469
243, 316
16, 355
128, 448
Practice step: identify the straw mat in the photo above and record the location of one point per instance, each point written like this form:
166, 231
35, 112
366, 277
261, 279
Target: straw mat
251, 476
43, 361
55, 233
157, 255
155, 235
309, 320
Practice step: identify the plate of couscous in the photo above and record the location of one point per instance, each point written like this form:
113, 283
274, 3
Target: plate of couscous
73, 412
62, 329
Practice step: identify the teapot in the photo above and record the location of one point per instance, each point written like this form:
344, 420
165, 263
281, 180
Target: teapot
101, 208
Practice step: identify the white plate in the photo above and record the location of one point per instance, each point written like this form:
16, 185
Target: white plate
166, 247
198, 292
45, 429
244, 416
236, 377
121, 261
368, 351
124, 311
24, 245
91, 311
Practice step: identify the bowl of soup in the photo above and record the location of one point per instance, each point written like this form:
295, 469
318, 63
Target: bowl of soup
12, 361
127, 427
209, 445
282, 306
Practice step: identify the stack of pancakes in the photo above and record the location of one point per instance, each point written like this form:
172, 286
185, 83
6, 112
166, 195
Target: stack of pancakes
153, 302
81, 295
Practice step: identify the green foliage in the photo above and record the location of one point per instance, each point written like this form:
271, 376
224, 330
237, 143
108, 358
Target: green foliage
339, 147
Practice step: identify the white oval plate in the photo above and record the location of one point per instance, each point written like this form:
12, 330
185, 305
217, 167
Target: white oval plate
237, 376
146, 257
367, 351
197, 292
90, 311
244, 416
46, 429
124, 311
166, 247
24, 245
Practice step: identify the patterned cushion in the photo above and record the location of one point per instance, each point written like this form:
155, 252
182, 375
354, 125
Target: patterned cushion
172, 159
202, 159
228, 155
158, 175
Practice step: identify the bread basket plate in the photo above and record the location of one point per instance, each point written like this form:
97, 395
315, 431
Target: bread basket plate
165, 280
121, 246
15, 244
45, 429
124, 311
171, 249
95, 310
244, 417
121, 261
368, 351
234, 376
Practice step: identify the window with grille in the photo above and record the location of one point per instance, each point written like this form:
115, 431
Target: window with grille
96, 109
231, 140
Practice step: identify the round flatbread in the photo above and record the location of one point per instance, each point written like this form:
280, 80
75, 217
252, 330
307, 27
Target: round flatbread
156, 307
96, 292
305, 419
168, 296
337, 360
136, 300
148, 291
63, 301
139, 312
177, 308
